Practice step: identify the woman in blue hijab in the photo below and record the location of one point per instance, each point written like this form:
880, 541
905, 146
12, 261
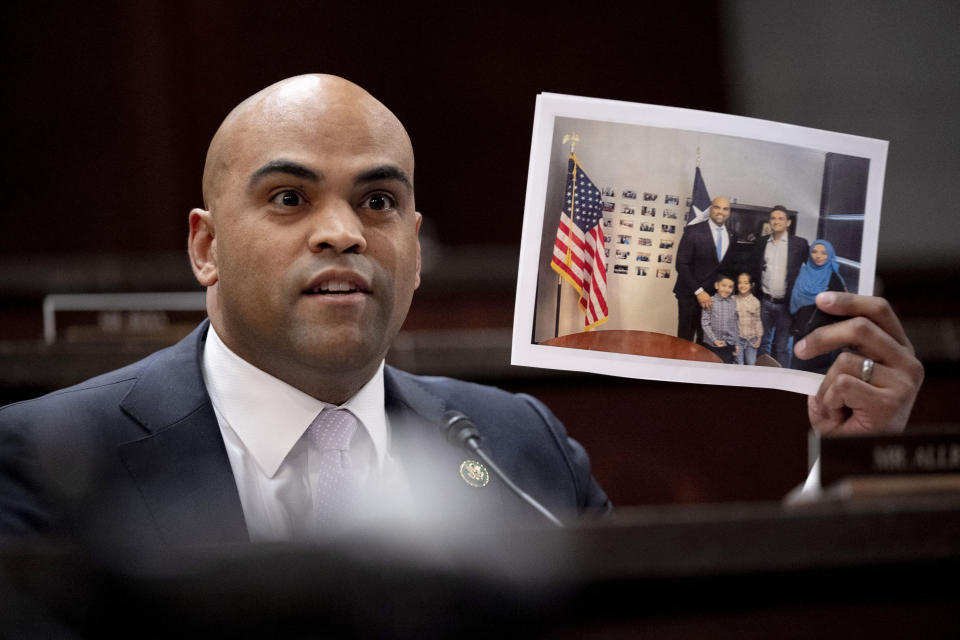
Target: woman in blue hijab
819, 273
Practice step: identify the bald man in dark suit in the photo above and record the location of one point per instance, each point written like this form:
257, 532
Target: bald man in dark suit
308, 247
699, 262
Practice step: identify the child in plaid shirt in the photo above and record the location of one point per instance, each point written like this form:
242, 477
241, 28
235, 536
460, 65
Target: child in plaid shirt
719, 322
748, 321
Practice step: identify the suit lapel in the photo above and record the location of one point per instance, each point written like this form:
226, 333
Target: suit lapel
181, 468
711, 243
183, 473
432, 465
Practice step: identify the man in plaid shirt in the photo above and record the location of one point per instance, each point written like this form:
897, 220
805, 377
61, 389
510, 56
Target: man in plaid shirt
719, 322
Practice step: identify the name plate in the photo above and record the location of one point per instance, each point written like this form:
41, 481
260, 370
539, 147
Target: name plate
96, 317
912, 453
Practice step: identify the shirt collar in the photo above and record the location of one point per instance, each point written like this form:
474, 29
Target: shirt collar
773, 241
268, 415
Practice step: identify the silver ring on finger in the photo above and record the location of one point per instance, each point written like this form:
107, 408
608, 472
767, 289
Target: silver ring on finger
866, 370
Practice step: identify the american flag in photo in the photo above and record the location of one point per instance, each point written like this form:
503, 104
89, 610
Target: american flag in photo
578, 251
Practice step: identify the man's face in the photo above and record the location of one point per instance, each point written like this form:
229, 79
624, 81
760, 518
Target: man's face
725, 287
719, 210
316, 237
779, 221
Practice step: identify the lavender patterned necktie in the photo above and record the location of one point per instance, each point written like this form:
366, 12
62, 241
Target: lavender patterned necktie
330, 434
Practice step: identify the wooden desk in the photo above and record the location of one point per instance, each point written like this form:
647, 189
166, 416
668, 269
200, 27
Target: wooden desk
871, 569
638, 343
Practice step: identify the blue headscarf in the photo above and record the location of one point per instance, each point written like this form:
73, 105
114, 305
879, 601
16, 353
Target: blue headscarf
813, 279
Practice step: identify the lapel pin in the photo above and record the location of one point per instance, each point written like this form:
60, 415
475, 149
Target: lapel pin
474, 473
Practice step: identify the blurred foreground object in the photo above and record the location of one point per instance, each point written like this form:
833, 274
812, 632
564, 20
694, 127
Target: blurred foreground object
833, 569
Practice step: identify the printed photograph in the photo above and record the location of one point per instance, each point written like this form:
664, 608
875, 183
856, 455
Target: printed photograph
818, 192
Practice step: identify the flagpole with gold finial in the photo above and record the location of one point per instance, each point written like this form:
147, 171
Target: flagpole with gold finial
573, 139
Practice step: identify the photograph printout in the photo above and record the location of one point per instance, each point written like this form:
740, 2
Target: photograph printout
637, 216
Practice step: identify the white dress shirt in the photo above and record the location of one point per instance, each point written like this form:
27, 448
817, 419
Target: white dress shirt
262, 420
714, 228
774, 279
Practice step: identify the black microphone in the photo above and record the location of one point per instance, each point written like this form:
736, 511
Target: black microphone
460, 430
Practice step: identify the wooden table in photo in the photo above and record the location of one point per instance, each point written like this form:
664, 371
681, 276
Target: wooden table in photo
638, 343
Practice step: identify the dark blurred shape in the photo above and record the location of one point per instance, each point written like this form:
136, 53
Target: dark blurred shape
114, 107
829, 570
887, 70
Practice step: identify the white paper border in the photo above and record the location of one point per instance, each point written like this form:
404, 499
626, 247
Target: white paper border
550, 106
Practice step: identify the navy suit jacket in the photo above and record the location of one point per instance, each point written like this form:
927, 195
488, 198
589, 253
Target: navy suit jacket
798, 250
135, 456
697, 264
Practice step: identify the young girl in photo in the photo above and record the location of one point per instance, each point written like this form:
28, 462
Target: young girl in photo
748, 320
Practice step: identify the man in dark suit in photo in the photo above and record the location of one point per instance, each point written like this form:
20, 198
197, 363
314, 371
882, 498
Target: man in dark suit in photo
776, 261
277, 418
705, 251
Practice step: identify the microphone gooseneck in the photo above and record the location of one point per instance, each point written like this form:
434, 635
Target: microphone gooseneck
460, 431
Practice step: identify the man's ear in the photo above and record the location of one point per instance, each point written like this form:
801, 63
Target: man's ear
202, 247
418, 223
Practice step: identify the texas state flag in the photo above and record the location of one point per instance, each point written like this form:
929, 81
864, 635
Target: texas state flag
700, 203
